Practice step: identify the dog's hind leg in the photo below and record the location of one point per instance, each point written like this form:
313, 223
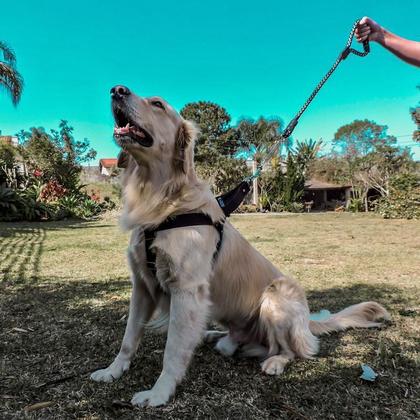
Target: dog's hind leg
141, 309
284, 316
275, 365
227, 346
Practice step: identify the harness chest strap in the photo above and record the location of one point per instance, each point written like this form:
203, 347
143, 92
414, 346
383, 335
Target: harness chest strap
181, 220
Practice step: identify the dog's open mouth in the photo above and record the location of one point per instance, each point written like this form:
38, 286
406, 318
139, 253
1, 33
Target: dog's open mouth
128, 132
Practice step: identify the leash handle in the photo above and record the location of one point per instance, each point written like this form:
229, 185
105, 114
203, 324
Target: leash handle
348, 49
366, 46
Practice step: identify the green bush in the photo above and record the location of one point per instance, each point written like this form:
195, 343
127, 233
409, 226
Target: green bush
26, 204
403, 201
355, 205
21, 205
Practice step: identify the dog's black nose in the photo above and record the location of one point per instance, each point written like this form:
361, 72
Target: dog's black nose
119, 92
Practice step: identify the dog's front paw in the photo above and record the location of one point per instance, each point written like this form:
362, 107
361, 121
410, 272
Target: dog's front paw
274, 365
112, 372
150, 398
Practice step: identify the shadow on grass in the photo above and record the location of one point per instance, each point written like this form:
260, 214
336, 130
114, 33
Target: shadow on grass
21, 246
74, 327
337, 298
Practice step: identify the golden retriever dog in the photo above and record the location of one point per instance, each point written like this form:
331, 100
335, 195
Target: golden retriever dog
266, 313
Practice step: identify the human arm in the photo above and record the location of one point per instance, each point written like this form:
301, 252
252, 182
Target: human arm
407, 50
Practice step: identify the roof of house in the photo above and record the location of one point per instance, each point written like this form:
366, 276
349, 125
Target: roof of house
108, 162
315, 184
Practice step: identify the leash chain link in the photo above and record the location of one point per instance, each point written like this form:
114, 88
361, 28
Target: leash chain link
289, 129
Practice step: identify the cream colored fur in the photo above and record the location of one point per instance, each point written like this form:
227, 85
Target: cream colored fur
266, 313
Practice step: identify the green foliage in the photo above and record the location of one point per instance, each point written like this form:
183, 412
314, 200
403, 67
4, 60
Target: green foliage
8, 155
30, 204
355, 205
415, 115
223, 174
56, 156
52, 189
8, 162
10, 78
330, 169
360, 137
306, 152
215, 146
22, 205
261, 133
403, 201
215, 137
283, 191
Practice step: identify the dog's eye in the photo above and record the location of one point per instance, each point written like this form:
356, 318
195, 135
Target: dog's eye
158, 104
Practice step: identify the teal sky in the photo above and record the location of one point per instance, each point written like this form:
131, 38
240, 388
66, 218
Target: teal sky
253, 58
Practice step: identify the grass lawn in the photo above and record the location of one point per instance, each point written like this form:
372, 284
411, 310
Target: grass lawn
64, 295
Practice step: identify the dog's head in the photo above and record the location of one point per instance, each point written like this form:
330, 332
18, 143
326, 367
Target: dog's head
150, 130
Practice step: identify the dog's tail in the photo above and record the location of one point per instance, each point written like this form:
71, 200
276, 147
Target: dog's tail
362, 315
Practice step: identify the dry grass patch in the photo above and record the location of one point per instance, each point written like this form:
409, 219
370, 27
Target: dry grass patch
64, 298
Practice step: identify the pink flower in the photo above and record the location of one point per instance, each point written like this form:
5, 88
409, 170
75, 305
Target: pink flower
37, 173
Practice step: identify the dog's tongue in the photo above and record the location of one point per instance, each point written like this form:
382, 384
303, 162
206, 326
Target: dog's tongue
122, 130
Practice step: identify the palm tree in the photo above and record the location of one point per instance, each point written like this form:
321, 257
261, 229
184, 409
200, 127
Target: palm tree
259, 135
10, 78
305, 152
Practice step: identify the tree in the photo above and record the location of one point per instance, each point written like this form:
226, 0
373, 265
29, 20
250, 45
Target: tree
215, 146
215, 133
8, 165
403, 200
10, 78
283, 188
262, 134
305, 152
380, 166
360, 137
415, 115
329, 168
57, 156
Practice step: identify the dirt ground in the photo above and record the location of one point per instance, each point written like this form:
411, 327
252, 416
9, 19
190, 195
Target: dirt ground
64, 294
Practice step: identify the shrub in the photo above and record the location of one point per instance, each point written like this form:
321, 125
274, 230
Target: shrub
52, 191
403, 201
21, 205
355, 205
30, 204
247, 208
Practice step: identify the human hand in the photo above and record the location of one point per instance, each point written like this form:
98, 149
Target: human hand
369, 29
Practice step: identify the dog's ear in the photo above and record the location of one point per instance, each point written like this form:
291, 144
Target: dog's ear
184, 145
122, 161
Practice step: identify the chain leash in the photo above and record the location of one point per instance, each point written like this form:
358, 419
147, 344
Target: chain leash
287, 132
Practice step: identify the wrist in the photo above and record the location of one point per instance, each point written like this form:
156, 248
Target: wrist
382, 37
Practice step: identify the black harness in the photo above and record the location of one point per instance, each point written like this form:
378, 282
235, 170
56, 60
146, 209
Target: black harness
181, 220
228, 202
